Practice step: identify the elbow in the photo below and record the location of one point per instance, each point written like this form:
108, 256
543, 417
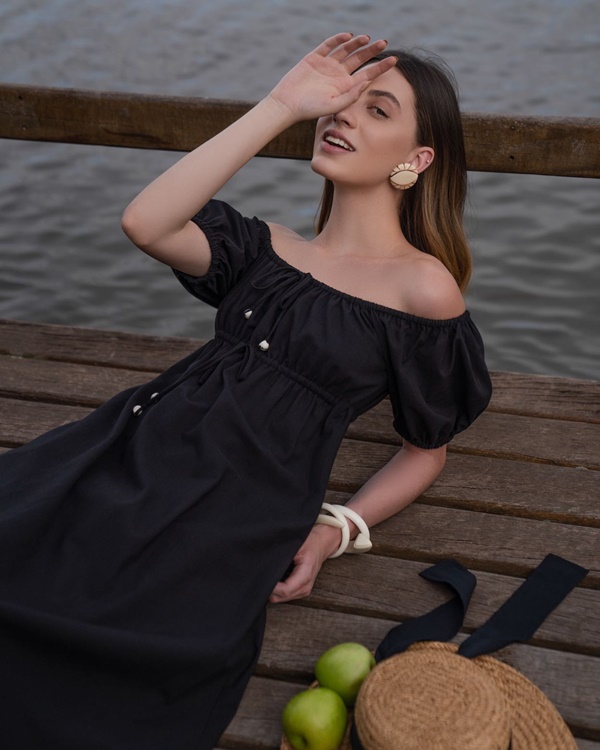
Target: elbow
441, 457
436, 460
435, 457
133, 227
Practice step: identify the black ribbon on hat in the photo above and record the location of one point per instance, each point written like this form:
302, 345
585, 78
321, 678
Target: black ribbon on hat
515, 621
443, 622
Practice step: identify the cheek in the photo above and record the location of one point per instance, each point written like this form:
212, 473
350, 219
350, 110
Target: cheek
385, 157
395, 151
320, 129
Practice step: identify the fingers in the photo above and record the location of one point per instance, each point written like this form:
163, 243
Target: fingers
298, 585
330, 44
371, 72
352, 51
363, 54
349, 47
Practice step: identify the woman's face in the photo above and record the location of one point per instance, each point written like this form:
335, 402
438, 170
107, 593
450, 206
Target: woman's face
378, 132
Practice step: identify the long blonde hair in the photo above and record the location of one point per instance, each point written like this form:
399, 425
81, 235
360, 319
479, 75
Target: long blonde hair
431, 212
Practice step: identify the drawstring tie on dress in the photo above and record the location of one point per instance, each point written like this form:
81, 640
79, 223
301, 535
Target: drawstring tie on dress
291, 291
202, 369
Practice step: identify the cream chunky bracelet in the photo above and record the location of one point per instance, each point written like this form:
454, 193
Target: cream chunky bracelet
339, 518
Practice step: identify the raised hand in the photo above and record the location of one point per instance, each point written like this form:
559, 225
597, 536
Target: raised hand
325, 81
158, 219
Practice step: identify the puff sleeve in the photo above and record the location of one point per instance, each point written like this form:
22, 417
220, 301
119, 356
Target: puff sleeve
438, 381
234, 240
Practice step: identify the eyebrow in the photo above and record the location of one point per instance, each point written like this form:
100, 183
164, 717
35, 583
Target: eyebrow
387, 94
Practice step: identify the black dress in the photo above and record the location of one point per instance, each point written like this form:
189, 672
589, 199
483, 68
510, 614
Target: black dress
139, 546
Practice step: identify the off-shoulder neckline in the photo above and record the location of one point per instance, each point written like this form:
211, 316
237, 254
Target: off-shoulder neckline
376, 306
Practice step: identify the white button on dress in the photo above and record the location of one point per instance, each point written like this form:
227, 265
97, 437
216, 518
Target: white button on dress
264, 345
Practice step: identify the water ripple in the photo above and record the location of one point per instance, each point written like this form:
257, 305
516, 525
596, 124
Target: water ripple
535, 240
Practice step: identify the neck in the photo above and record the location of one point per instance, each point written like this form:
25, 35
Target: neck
363, 222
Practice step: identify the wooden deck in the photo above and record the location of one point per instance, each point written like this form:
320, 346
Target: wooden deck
522, 482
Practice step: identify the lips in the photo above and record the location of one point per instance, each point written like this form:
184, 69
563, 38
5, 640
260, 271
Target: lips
337, 140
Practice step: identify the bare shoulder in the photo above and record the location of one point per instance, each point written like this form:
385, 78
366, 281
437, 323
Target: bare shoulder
433, 292
279, 232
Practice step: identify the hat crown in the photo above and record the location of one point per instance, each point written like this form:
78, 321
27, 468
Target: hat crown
430, 697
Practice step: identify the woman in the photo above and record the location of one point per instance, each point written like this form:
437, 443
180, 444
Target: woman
141, 544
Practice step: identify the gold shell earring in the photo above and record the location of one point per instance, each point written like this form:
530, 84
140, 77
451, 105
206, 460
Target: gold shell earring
403, 176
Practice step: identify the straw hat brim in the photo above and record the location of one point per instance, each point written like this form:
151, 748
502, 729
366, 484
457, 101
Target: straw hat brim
429, 696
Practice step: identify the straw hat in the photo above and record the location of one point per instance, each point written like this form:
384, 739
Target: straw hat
431, 698
425, 694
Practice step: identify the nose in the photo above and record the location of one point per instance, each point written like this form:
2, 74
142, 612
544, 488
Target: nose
346, 116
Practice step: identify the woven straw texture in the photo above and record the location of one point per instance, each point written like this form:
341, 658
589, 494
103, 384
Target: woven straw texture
429, 697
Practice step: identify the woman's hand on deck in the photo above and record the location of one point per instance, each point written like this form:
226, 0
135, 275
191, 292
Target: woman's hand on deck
320, 543
323, 83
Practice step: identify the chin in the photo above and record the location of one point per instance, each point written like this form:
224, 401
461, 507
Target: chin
318, 167
324, 166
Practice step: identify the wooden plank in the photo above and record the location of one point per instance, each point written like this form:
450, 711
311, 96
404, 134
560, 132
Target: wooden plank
484, 541
508, 436
561, 442
533, 145
130, 120
491, 485
491, 542
89, 346
514, 393
546, 396
22, 421
296, 636
392, 589
475, 483
257, 723
498, 435
80, 385
495, 435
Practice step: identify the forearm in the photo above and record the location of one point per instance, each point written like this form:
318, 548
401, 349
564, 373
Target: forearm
318, 85
406, 476
168, 203
388, 491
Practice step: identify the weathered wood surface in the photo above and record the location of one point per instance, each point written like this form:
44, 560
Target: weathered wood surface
522, 482
529, 395
532, 145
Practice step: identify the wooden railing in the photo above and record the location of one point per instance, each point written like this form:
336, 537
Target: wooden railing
495, 143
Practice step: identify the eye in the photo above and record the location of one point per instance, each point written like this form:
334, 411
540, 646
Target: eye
378, 111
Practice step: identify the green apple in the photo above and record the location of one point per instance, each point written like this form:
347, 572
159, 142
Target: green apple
315, 719
343, 669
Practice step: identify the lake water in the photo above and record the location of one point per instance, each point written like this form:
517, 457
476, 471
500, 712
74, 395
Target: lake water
535, 240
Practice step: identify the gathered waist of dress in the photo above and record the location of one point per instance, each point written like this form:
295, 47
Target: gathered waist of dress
205, 360
252, 358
